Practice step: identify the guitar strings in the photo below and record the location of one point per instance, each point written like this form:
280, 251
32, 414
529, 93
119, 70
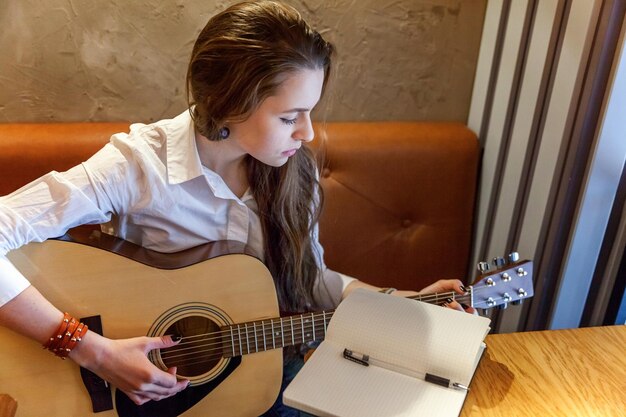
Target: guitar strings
289, 321
293, 335
215, 348
213, 353
429, 298
281, 322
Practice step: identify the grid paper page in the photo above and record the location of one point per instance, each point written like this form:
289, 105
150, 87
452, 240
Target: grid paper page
328, 385
413, 337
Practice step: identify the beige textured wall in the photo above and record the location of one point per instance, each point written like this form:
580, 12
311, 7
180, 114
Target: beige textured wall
78, 60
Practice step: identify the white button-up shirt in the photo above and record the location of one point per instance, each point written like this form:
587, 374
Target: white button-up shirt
147, 186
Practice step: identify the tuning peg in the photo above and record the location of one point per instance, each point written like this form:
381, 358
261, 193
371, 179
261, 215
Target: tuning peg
483, 267
513, 257
498, 262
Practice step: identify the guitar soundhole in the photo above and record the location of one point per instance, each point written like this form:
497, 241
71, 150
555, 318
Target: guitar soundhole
199, 350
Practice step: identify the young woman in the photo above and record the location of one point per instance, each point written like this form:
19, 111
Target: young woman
233, 166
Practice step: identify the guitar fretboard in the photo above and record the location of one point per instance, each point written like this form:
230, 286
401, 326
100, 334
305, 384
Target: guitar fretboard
258, 336
261, 335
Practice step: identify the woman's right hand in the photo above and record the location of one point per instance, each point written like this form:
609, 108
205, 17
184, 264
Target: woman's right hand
125, 364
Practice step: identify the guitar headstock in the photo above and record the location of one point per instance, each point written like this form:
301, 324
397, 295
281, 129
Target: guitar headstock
508, 283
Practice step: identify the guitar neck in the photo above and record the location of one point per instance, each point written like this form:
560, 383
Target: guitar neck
261, 335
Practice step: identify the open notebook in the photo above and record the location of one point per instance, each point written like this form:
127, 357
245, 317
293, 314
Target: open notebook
377, 354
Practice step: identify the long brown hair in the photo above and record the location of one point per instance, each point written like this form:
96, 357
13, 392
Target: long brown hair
238, 60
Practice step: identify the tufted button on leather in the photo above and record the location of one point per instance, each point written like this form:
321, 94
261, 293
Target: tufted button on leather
326, 173
406, 223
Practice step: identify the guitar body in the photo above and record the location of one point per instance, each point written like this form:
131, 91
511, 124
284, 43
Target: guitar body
133, 299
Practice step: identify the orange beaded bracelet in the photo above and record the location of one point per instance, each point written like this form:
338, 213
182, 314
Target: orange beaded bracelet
69, 333
56, 337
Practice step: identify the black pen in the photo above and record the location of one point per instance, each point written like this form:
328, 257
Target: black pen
444, 382
367, 360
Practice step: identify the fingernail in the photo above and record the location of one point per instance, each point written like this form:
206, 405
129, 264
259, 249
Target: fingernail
465, 306
463, 288
448, 300
176, 337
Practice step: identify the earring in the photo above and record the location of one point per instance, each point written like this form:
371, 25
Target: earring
224, 133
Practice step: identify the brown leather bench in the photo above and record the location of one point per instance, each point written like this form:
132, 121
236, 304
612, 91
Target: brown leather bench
399, 196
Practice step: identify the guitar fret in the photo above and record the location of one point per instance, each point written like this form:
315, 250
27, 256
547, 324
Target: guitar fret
256, 344
313, 321
293, 341
324, 318
232, 340
282, 332
239, 334
302, 323
245, 326
263, 327
273, 338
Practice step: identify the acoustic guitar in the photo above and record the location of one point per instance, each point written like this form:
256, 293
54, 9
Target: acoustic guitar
218, 297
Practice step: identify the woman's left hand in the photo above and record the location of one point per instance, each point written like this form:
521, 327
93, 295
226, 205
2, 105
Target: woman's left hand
443, 285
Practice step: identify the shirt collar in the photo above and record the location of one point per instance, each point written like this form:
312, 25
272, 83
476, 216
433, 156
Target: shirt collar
183, 161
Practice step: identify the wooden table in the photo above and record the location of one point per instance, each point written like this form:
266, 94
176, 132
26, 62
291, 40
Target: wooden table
575, 372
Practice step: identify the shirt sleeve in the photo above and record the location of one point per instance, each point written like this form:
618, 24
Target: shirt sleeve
46, 208
12, 282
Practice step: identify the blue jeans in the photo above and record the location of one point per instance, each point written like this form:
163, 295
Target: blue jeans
292, 363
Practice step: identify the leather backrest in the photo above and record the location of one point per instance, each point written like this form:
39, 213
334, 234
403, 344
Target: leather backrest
30, 150
399, 201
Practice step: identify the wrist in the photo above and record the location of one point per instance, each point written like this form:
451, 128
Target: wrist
88, 352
